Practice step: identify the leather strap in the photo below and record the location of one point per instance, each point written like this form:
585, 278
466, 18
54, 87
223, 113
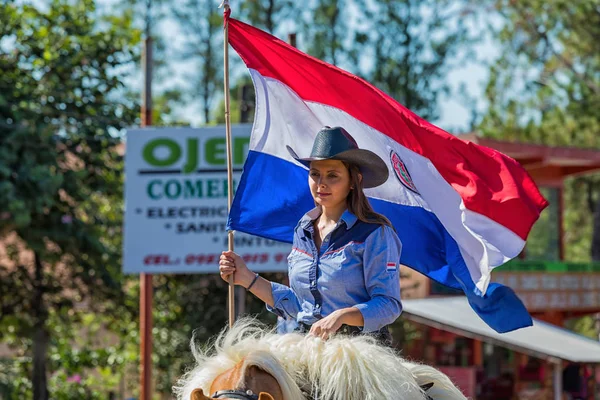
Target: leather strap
235, 394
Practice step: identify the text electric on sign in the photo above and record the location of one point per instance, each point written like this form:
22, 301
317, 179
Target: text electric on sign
176, 202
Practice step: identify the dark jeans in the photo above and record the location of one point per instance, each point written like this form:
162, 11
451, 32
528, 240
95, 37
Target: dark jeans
383, 335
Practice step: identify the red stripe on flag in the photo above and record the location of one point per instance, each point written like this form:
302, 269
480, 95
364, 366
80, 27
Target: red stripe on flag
489, 182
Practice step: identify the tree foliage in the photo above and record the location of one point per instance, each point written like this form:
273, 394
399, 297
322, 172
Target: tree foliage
201, 24
413, 45
61, 108
269, 15
406, 48
325, 31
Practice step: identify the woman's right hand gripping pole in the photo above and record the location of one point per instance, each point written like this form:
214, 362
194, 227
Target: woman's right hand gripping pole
232, 263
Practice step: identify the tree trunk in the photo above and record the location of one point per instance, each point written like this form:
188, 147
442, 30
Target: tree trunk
40, 350
269, 17
596, 232
207, 79
334, 42
40, 335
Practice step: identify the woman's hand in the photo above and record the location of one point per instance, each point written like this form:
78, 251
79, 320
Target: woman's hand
231, 263
329, 325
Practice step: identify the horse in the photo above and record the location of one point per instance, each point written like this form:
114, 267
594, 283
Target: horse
253, 360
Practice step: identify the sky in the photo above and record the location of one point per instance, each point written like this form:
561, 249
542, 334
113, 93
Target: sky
455, 115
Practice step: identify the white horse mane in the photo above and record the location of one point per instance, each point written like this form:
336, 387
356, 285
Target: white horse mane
341, 368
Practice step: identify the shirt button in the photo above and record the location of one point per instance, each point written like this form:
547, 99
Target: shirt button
312, 283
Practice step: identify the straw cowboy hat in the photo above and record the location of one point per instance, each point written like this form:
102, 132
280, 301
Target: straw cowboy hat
337, 144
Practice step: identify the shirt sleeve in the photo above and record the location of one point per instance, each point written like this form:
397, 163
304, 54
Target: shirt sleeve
381, 260
285, 301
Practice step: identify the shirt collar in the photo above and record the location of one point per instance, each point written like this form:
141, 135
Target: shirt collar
309, 217
348, 218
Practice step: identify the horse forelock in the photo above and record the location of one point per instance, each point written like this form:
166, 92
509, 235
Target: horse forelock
266, 361
247, 341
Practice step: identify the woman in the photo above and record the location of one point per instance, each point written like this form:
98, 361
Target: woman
343, 267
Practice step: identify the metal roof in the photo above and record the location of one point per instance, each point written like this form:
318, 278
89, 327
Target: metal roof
547, 165
542, 340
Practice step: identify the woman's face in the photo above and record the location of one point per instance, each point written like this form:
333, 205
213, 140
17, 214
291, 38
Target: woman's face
329, 182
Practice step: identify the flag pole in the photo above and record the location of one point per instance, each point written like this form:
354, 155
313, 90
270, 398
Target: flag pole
226, 12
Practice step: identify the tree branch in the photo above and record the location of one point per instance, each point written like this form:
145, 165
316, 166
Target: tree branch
543, 36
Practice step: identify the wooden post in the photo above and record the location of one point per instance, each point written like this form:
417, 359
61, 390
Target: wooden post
146, 279
557, 380
477, 353
146, 336
561, 225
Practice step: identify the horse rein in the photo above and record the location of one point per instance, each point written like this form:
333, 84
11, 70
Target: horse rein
235, 394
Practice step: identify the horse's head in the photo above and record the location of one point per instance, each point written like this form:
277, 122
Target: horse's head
242, 382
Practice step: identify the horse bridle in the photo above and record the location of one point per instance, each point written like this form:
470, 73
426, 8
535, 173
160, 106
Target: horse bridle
249, 395
235, 394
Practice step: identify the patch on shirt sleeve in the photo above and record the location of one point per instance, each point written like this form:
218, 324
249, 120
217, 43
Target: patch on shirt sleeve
391, 267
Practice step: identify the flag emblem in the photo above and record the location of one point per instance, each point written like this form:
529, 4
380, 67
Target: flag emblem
402, 172
391, 267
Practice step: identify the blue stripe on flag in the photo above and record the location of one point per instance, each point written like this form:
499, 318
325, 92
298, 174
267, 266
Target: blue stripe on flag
273, 195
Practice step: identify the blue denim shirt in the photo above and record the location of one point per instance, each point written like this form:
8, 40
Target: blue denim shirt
357, 265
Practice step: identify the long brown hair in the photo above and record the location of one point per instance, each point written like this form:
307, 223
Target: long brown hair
357, 202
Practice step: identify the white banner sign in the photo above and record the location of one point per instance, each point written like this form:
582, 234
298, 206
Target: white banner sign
176, 202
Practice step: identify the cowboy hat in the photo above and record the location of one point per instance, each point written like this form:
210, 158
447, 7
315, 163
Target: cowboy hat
337, 144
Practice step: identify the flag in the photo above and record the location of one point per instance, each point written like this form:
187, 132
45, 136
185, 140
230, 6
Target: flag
459, 209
